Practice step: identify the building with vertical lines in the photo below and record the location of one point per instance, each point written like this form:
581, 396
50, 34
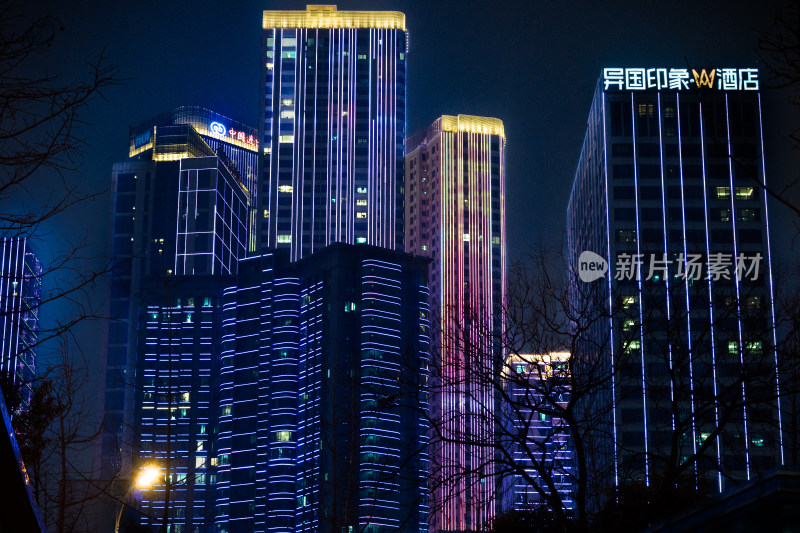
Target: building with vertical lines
20, 296
669, 193
324, 366
455, 215
333, 113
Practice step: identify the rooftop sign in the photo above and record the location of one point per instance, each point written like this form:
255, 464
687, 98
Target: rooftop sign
680, 79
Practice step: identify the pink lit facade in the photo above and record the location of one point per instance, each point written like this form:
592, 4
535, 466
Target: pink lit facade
454, 214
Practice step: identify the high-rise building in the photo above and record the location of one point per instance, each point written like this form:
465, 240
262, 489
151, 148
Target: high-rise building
537, 386
668, 228
179, 228
20, 295
455, 215
333, 113
322, 424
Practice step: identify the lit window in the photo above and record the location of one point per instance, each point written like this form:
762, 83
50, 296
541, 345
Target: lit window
266, 213
633, 346
754, 347
361, 214
495, 240
733, 347
349, 306
466, 237
284, 239
287, 139
364, 56
288, 55
267, 150
723, 192
744, 193
287, 113
361, 240
199, 462
757, 440
725, 215
361, 190
424, 247
361, 202
283, 436
269, 66
284, 188
287, 102
214, 461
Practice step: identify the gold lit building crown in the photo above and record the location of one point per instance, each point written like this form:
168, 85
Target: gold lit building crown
327, 16
472, 124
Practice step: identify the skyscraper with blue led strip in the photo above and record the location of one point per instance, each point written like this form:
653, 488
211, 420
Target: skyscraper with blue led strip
672, 170
20, 297
324, 368
180, 221
333, 113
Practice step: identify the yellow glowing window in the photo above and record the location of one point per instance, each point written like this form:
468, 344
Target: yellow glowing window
199, 462
744, 193
495, 240
266, 213
288, 42
723, 192
269, 66
287, 102
287, 113
466, 237
733, 347
214, 461
361, 214
361, 202
633, 346
283, 436
288, 139
267, 150
284, 239
284, 188
364, 56
629, 324
628, 301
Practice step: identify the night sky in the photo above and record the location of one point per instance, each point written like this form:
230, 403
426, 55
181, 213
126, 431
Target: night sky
532, 64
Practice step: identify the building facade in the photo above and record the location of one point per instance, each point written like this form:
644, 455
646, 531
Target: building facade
324, 367
540, 443
180, 218
20, 296
455, 215
333, 112
669, 198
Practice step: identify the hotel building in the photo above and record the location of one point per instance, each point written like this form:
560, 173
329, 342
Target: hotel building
670, 192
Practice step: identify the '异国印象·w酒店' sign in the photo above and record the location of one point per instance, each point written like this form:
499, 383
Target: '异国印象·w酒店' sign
680, 79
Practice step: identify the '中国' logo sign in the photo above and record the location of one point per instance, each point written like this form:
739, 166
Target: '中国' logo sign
680, 79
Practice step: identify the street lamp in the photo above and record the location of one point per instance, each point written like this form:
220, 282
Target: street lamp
147, 477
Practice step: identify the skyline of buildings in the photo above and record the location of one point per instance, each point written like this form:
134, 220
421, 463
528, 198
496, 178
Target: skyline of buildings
669, 192
293, 256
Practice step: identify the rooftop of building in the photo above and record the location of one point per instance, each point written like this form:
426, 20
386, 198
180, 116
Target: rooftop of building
328, 16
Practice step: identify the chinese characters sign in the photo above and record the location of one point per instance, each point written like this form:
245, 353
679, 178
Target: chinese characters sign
220, 130
638, 267
680, 79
